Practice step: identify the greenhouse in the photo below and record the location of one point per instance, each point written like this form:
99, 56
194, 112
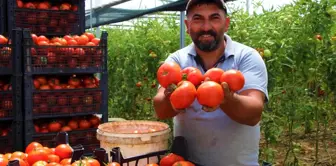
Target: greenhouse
94, 83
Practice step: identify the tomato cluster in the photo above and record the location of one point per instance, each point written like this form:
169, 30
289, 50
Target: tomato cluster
66, 124
5, 52
42, 82
77, 51
45, 17
66, 102
172, 159
189, 84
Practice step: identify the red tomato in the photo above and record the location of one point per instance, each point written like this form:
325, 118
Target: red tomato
3, 161
210, 94
53, 81
53, 158
32, 146
96, 41
89, 35
63, 151
234, 78
42, 80
73, 124
72, 42
113, 164
42, 38
82, 40
184, 95
54, 127
74, 81
3, 40
214, 74
93, 162
37, 155
193, 75
169, 73
84, 124
44, 87
65, 6
66, 128
29, 5
19, 4
88, 100
170, 159
183, 163
94, 120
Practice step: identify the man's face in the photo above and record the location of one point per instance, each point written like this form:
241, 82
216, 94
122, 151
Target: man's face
206, 25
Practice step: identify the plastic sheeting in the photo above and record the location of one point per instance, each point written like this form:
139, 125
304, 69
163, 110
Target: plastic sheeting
105, 12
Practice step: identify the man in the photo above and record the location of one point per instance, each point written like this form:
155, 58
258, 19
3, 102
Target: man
228, 136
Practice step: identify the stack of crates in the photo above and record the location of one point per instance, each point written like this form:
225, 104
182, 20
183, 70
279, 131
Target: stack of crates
11, 92
61, 89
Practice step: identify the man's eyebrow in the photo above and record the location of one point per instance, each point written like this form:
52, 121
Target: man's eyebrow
197, 15
214, 14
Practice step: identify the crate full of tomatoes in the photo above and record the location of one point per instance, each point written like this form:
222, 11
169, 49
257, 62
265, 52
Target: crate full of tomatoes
47, 17
6, 137
64, 95
11, 52
83, 53
10, 98
81, 130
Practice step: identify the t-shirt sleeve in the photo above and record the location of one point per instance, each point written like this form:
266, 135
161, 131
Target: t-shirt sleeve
254, 70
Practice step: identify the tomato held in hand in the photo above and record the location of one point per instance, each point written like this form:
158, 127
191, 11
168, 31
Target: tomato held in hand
170, 159
210, 94
193, 75
169, 73
214, 74
184, 95
234, 78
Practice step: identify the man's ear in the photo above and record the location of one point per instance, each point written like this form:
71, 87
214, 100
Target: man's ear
227, 24
186, 22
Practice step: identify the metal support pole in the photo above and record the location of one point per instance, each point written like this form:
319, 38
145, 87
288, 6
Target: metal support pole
182, 29
248, 6
91, 13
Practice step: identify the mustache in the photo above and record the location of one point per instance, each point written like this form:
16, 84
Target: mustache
210, 32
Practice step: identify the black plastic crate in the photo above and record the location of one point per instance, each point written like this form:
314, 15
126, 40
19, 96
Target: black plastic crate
65, 102
11, 98
64, 59
11, 53
10, 137
3, 18
47, 21
85, 137
179, 147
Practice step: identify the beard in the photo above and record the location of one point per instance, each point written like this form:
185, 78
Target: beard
206, 46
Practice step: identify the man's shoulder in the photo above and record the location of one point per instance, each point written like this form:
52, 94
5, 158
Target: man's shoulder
243, 48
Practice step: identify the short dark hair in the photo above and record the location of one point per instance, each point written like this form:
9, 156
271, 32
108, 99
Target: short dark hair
220, 4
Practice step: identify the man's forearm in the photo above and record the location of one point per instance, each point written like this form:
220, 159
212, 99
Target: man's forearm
243, 109
163, 107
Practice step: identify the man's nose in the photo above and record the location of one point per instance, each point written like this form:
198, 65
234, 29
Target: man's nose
207, 25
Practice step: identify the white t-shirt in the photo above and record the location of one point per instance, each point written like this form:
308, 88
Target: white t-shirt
213, 138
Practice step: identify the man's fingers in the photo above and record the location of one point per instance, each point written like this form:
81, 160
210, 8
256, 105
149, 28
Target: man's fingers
226, 88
